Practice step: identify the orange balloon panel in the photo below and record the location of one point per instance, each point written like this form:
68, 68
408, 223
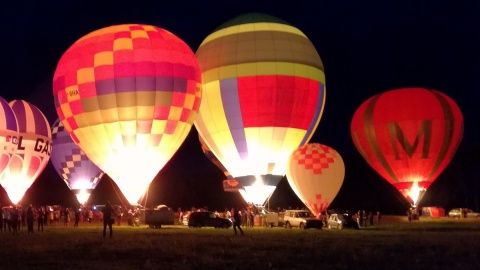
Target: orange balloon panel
316, 172
32, 151
128, 95
408, 136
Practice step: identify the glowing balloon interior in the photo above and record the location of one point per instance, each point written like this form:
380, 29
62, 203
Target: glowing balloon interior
79, 173
408, 136
128, 95
263, 96
32, 150
316, 173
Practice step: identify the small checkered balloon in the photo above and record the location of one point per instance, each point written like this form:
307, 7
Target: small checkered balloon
71, 163
128, 95
316, 172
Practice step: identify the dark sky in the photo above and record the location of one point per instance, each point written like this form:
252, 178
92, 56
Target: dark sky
366, 49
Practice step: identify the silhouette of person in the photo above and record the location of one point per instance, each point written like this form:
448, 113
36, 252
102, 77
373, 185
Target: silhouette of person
237, 221
107, 219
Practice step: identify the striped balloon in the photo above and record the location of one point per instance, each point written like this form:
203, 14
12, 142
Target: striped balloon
72, 164
33, 150
128, 95
263, 96
408, 136
8, 134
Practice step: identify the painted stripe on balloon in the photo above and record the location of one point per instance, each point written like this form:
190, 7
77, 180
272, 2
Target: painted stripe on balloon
369, 130
30, 119
233, 114
448, 133
286, 53
318, 115
359, 147
263, 68
9, 121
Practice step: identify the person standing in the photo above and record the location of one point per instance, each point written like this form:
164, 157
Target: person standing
29, 217
107, 219
77, 218
66, 217
40, 217
379, 217
237, 220
14, 216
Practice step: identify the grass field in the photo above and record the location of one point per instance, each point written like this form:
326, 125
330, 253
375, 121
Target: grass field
395, 244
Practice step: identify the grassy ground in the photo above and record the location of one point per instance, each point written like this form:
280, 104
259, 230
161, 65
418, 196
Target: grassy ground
395, 244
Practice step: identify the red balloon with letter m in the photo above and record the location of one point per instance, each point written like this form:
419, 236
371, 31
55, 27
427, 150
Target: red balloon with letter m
408, 136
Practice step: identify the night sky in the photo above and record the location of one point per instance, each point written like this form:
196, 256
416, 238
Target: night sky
366, 49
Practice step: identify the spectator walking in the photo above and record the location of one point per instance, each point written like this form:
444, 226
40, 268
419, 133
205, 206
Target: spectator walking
379, 217
237, 220
107, 219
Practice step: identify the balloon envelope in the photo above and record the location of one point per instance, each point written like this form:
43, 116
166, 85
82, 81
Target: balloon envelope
32, 151
79, 173
8, 134
229, 184
316, 173
128, 95
408, 136
264, 94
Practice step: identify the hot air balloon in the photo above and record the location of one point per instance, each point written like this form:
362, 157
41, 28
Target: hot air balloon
316, 172
32, 151
128, 95
408, 136
263, 96
79, 173
8, 134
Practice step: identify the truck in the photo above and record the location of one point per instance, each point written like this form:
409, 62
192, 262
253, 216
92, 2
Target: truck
160, 215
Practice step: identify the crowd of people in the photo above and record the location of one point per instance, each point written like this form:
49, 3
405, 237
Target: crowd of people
36, 218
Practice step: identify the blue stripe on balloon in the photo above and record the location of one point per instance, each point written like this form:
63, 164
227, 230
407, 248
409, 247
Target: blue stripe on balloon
233, 113
318, 110
10, 120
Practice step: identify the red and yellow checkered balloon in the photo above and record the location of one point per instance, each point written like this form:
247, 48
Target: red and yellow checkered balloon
128, 95
316, 172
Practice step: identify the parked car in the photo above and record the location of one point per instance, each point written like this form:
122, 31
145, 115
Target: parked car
463, 212
302, 219
341, 221
208, 219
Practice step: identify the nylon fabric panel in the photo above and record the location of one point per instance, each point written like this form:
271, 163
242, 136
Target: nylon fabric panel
316, 173
416, 131
143, 92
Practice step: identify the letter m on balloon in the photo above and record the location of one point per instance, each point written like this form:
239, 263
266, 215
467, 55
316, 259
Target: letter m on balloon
396, 134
